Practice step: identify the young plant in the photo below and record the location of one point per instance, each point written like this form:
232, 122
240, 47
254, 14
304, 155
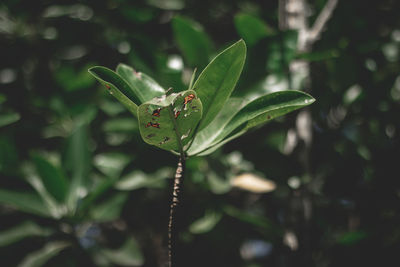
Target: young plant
199, 120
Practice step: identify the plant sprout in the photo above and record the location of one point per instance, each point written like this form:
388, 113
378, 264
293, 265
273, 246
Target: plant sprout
199, 120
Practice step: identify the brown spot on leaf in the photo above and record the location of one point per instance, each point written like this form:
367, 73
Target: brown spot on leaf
155, 125
188, 98
156, 112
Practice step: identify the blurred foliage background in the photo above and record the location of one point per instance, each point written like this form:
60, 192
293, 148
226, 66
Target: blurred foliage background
78, 186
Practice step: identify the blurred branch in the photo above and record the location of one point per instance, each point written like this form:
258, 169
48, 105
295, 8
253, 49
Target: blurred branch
315, 32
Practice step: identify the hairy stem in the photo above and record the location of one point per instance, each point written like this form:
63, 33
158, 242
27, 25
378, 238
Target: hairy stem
179, 175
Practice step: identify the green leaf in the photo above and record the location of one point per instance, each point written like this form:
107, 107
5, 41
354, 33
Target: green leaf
168, 122
52, 178
143, 86
71, 79
117, 87
22, 231
206, 223
352, 237
128, 254
167, 4
238, 132
138, 179
9, 118
110, 209
217, 81
261, 110
274, 231
111, 164
218, 185
23, 201
77, 161
56, 209
127, 124
281, 50
276, 104
192, 41
251, 28
205, 137
40, 257
8, 155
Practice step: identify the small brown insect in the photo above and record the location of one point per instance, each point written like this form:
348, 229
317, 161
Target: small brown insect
177, 114
155, 125
107, 86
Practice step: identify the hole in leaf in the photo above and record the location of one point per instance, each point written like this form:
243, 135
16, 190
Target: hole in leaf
166, 139
187, 133
137, 74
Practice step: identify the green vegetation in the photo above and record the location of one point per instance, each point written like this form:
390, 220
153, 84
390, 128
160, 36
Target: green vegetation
316, 187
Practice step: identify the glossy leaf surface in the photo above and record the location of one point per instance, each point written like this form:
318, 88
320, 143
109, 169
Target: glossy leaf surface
117, 87
259, 111
143, 86
217, 81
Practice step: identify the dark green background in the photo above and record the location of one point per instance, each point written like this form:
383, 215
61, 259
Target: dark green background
349, 179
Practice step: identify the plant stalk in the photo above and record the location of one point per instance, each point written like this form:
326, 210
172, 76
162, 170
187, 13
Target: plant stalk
172, 233
178, 181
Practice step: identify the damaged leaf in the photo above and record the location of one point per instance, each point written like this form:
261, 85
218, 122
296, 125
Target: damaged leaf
169, 122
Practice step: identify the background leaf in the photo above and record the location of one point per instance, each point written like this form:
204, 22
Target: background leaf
77, 162
21, 231
109, 209
128, 254
206, 223
9, 118
24, 201
192, 41
251, 28
52, 177
40, 257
